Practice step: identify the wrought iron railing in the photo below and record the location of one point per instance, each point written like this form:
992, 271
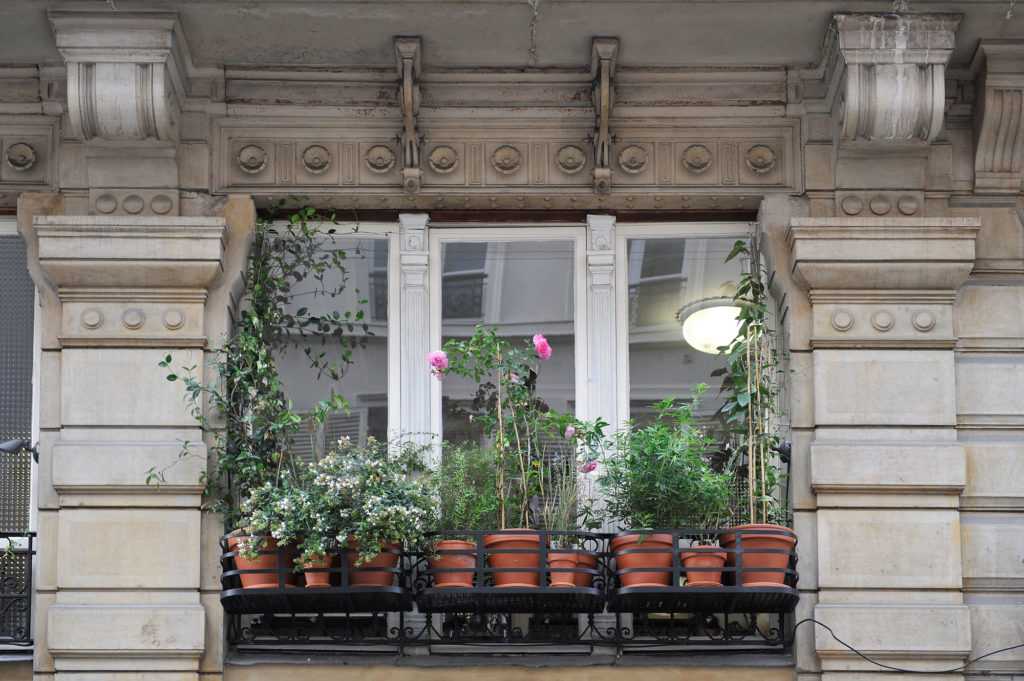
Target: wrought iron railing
555, 609
16, 552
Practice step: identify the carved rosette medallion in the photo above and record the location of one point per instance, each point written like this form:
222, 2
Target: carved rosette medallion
443, 159
252, 159
571, 159
316, 159
633, 159
21, 157
842, 320
761, 159
697, 158
882, 321
923, 321
506, 159
380, 158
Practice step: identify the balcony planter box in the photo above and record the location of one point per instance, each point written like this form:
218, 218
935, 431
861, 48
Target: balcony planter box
648, 558
378, 571
515, 549
760, 553
271, 557
453, 554
705, 556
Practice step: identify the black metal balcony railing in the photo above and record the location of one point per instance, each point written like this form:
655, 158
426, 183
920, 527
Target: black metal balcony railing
16, 552
591, 611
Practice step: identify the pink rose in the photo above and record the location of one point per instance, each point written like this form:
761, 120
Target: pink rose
438, 360
540, 344
589, 467
570, 432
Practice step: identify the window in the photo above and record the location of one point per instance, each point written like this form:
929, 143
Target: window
365, 381
519, 286
667, 278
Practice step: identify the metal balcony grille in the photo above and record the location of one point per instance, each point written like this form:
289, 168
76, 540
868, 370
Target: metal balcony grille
16, 553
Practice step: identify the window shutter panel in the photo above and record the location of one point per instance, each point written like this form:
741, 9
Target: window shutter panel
351, 425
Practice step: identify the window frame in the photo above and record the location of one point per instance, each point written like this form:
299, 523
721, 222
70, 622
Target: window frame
440, 234
661, 230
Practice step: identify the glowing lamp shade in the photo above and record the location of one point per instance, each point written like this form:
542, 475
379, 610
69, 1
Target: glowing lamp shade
709, 326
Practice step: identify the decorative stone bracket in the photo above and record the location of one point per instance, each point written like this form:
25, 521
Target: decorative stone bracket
126, 73
407, 52
999, 118
604, 53
895, 74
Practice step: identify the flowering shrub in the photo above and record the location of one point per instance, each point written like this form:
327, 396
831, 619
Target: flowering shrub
370, 496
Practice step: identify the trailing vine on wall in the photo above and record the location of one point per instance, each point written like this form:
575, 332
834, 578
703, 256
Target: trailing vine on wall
245, 404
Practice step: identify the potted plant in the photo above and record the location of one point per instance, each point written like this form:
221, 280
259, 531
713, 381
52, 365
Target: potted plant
510, 415
380, 501
760, 549
658, 477
266, 540
468, 501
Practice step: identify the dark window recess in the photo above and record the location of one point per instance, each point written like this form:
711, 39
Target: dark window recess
462, 296
665, 259
17, 296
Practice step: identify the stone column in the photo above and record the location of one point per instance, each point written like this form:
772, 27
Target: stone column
885, 462
415, 416
122, 292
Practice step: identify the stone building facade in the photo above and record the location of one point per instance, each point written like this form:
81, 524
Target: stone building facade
880, 154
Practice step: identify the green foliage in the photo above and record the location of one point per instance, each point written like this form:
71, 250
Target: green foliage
751, 408
657, 476
467, 487
245, 404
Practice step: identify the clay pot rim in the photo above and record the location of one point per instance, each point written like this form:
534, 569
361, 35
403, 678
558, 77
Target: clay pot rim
624, 538
772, 531
449, 542
501, 536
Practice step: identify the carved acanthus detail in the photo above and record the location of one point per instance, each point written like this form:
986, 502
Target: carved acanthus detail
407, 52
895, 74
125, 73
999, 121
602, 69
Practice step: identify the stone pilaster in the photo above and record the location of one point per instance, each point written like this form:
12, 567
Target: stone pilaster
122, 292
415, 417
886, 466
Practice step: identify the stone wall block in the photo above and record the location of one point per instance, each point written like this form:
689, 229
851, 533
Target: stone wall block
889, 549
995, 473
121, 466
990, 390
993, 551
888, 468
140, 549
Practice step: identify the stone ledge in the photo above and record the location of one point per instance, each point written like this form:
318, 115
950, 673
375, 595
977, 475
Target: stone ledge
926, 637
889, 468
126, 637
122, 467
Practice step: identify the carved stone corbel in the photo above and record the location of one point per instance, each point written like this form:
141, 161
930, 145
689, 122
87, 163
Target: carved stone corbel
895, 74
126, 73
602, 69
999, 117
407, 53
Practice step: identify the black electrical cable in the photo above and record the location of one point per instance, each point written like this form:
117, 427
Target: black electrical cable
900, 669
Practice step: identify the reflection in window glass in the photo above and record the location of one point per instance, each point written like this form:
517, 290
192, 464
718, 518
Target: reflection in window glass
668, 280
520, 288
365, 381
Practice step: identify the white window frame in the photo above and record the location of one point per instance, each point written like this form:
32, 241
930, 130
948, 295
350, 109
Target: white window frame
661, 230
440, 233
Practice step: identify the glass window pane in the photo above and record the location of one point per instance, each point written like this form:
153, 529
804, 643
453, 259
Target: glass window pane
526, 288
662, 363
365, 380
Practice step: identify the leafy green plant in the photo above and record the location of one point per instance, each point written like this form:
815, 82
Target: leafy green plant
658, 476
467, 488
750, 384
245, 405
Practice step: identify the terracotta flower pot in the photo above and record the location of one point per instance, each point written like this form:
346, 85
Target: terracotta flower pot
267, 560
500, 542
654, 568
563, 559
318, 580
703, 556
765, 555
363, 574
588, 560
465, 559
